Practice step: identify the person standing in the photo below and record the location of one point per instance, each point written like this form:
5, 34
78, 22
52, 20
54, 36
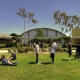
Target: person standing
41, 44
78, 50
53, 49
37, 52
70, 49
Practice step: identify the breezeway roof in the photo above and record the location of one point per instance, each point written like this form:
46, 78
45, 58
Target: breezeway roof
6, 36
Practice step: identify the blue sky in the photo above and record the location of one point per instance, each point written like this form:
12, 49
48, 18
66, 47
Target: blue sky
10, 22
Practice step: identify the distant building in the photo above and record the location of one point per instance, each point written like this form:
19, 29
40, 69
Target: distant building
5, 38
48, 33
76, 35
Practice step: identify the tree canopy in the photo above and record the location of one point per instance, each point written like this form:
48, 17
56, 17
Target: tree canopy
66, 22
28, 17
39, 32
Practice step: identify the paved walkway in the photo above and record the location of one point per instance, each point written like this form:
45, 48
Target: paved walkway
3, 51
73, 50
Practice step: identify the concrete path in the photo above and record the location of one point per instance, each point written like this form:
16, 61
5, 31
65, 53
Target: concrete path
3, 51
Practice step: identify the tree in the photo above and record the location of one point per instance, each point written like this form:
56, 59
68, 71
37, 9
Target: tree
15, 37
40, 32
27, 18
66, 22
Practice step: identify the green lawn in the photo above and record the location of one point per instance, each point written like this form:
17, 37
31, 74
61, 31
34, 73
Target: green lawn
28, 70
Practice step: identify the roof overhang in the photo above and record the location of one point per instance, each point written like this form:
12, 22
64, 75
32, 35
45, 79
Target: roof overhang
5, 37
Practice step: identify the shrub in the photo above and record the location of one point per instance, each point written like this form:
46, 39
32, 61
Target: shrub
46, 45
2, 45
25, 49
74, 45
9, 45
30, 49
64, 46
9, 50
64, 49
50, 45
44, 49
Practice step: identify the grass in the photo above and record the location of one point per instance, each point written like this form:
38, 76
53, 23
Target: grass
28, 70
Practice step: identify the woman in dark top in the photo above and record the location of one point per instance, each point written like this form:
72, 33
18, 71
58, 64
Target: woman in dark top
13, 56
76, 56
78, 51
70, 49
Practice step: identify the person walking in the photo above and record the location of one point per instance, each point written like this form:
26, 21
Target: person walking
53, 49
70, 49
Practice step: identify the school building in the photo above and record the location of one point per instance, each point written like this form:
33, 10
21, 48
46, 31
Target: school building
75, 35
5, 38
48, 33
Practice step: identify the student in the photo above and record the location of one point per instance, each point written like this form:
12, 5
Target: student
13, 56
70, 49
41, 44
53, 49
6, 61
37, 52
77, 51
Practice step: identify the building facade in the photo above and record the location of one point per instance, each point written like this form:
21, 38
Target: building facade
76, 35
5, 38
48, 33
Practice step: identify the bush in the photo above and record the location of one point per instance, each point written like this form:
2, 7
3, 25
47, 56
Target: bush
44, 49
9, 50
50, 45
2, 45
64, 46
20, 50
25, 49
74, 45
9, 45
30, 49
28, 45
46, 45
64, 49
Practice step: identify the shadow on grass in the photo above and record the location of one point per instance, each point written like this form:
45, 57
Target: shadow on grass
65, 59
45, 63
72, 59
32, 63
7, 65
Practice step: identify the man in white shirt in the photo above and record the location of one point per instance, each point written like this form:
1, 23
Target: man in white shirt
53, 49
37, 52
